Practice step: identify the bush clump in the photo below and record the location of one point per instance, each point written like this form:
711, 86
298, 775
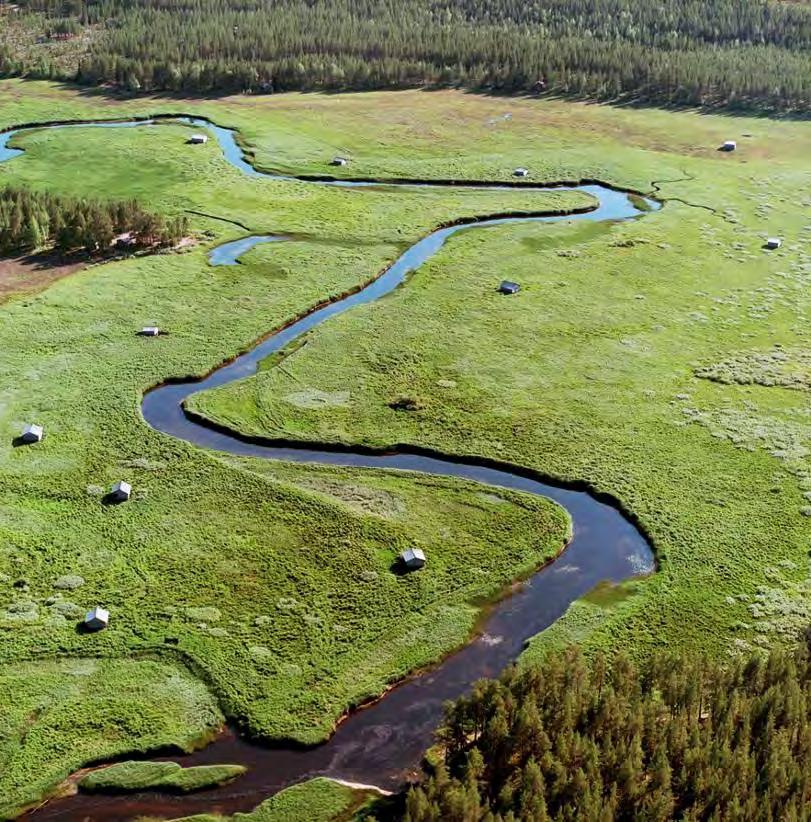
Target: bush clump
404, 403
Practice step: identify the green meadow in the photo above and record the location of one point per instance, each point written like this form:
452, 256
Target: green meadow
663, 361
266, 600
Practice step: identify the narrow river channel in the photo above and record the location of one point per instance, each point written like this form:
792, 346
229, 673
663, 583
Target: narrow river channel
380, 744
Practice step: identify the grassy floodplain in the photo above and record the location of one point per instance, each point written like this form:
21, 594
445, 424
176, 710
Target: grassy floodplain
262, 591
267, 599
664, 361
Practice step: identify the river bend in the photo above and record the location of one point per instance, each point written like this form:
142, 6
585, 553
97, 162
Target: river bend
380, 744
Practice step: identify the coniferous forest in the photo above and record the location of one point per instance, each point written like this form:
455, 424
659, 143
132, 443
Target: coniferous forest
32, 221
735, 54
689, 740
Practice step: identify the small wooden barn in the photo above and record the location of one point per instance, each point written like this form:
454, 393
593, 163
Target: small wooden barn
121, 491
96, 619
125, 242
773, 242
412, 559
198, 139
507, 287
32, 433
150, 331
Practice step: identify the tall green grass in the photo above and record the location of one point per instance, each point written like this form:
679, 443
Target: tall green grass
263, 591
268, 598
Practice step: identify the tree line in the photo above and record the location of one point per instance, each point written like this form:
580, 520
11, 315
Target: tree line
33, 221
680, 739
739, 54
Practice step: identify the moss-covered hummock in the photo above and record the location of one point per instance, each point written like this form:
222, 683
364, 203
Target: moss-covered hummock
124, 777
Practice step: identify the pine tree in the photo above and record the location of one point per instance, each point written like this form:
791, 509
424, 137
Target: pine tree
740, 55
31, 221
684, 739
532, 795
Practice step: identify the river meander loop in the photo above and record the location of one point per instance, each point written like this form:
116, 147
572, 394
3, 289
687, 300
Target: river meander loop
382, 743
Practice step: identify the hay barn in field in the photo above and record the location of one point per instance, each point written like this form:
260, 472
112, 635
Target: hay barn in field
96, 619
412, 559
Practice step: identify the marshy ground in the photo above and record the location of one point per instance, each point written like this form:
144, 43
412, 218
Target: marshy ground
664, 361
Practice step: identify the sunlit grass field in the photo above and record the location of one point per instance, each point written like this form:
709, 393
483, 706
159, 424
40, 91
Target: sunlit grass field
276, 594
604, 368
262, 592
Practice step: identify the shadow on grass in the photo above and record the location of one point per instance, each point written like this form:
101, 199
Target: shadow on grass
111, 500
398, 568
627, 101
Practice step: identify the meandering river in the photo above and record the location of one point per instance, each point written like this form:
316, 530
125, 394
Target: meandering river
380, 744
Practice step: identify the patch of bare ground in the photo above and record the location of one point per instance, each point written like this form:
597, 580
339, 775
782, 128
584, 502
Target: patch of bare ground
34, 272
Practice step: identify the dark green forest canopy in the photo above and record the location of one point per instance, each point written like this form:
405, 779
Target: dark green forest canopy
739, 54
35, 221
682, 739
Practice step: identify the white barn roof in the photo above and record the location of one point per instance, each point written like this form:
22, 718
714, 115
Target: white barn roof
32, 433
413, 558
97, 618
121, 490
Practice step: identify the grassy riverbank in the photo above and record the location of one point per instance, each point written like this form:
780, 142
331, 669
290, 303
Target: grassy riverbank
267, 598
661, 361
135, 775
317, 800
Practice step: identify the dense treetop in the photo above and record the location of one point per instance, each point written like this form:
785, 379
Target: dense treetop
734, 53
32, 221
684, 739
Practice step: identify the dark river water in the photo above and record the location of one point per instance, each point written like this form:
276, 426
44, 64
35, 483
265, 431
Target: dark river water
380, 744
